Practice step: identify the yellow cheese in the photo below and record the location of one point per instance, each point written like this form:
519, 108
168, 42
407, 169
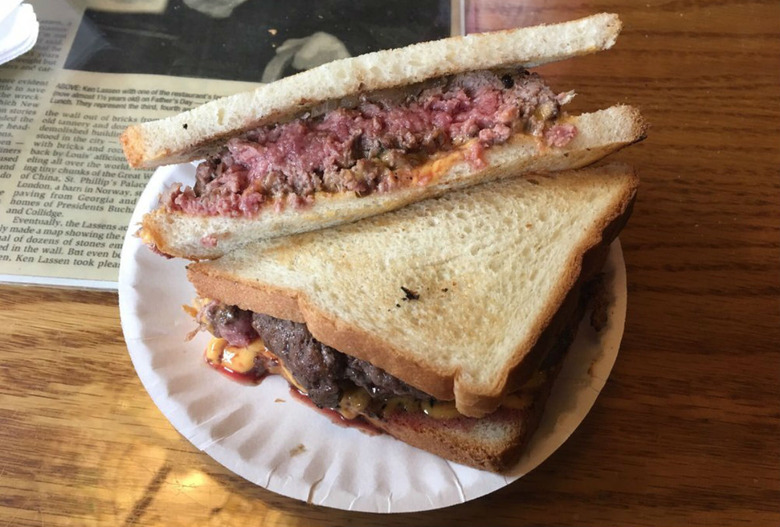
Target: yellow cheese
354, 402
214, 350
239, 359
440, 409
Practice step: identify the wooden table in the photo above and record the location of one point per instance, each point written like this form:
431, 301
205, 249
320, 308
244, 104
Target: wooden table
686, 431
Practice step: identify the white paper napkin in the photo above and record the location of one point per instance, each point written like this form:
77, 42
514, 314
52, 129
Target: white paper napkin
18, 29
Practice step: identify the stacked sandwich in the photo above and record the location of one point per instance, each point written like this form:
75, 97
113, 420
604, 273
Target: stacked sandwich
408, 236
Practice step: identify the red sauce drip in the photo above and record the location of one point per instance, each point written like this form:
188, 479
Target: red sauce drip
256, 375
252, 377
358, 423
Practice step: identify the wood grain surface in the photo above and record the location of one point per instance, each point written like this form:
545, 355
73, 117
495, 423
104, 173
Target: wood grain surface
686, 431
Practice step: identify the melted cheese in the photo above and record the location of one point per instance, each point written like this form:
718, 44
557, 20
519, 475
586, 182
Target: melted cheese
440, 409
431, 408
523, 397
239, 359
353, 403
284, 372
214, 350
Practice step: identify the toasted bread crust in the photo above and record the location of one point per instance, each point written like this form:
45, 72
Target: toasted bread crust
196, 133
587, 261
448, 384
601, 133
496, 441
463, 444
465, 440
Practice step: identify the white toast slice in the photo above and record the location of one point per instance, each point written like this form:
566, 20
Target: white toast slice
196, 133
455, 295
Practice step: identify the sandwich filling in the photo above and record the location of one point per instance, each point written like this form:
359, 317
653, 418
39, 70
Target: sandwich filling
253, 345
382, 143
324, 374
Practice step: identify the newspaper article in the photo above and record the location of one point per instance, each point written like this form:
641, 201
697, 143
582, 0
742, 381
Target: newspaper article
66, 192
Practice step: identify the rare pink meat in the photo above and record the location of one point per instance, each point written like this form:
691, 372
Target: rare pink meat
373, 146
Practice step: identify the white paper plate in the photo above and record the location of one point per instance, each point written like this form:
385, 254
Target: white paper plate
264, 435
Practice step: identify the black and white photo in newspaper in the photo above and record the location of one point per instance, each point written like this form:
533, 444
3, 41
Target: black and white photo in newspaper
66, 192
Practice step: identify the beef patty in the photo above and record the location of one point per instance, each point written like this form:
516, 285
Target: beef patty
373, 146
323, 371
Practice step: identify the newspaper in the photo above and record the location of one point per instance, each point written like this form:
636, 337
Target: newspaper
66, 192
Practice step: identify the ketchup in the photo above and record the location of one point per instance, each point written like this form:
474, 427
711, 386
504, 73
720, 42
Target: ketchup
252, 377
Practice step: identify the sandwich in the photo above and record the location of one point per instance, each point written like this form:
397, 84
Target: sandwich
366, 135
443, 323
